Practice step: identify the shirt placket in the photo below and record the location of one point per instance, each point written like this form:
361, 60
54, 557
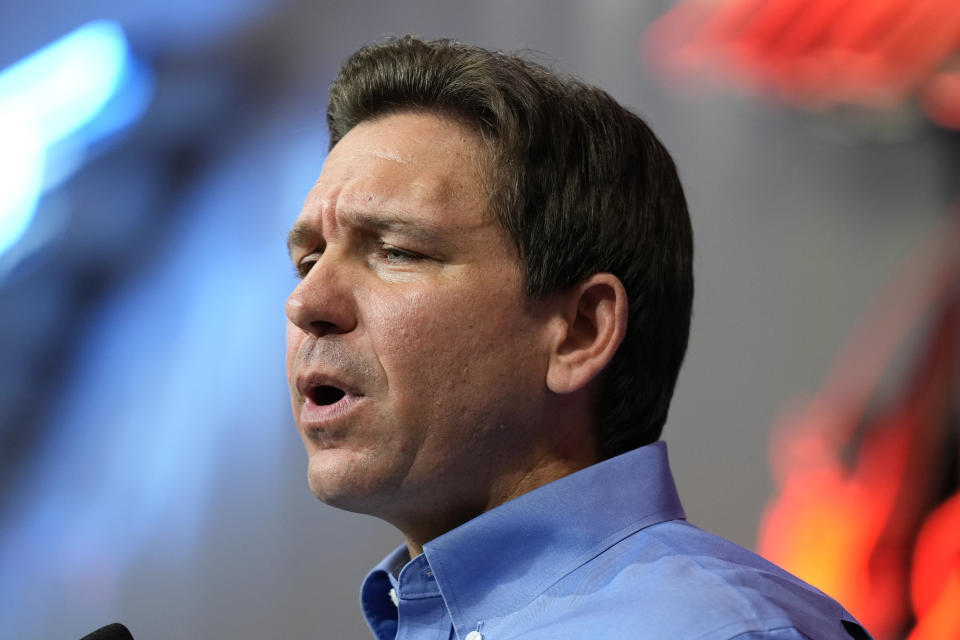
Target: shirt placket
422, 614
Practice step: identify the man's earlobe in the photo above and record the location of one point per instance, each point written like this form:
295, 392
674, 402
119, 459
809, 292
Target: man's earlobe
595, 316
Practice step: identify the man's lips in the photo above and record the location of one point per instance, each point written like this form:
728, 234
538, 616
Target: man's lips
316, 418
325, 400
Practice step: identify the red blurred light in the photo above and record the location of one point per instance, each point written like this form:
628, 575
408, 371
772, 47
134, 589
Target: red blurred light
817, 53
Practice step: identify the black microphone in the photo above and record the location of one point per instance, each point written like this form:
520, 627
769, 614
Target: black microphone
115, 631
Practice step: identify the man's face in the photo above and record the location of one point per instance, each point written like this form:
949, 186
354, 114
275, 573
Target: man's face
416, 364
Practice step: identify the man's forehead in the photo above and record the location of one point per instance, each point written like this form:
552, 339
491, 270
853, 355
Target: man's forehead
399, 171
420, 155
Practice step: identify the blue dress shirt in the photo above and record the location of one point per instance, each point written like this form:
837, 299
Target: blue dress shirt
602, 553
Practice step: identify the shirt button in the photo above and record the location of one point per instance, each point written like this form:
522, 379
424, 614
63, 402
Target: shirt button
474, 635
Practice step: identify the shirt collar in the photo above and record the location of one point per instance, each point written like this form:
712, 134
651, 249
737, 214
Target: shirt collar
503, 559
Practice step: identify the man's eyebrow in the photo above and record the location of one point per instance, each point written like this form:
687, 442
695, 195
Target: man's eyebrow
302, 233
299, 236
399, 223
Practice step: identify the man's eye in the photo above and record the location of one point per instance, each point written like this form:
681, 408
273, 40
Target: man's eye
391, 253
306, 263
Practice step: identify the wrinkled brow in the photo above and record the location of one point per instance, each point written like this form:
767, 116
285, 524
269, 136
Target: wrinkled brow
398, 223
421, 230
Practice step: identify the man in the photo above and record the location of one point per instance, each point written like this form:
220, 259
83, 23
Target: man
494, 302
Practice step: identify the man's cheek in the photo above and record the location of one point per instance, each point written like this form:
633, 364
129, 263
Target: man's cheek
418, 316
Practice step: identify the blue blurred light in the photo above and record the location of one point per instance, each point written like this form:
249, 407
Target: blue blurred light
21, 165
50, 97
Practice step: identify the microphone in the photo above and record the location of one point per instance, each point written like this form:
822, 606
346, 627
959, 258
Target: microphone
115, 631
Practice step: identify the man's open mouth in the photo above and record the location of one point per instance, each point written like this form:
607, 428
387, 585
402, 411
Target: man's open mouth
325, 405
325, 395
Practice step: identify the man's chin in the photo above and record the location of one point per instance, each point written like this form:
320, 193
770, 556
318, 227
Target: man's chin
348, 486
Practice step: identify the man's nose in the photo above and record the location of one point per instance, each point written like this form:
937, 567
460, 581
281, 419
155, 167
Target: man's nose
323, 303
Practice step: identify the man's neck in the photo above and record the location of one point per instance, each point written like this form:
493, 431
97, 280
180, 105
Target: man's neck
419, 530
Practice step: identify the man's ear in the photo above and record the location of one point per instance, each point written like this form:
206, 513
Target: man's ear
594, 321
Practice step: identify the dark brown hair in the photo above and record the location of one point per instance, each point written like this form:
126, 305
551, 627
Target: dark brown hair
580, 184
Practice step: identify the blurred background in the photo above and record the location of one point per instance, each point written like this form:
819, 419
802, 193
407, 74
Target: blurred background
154, 155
